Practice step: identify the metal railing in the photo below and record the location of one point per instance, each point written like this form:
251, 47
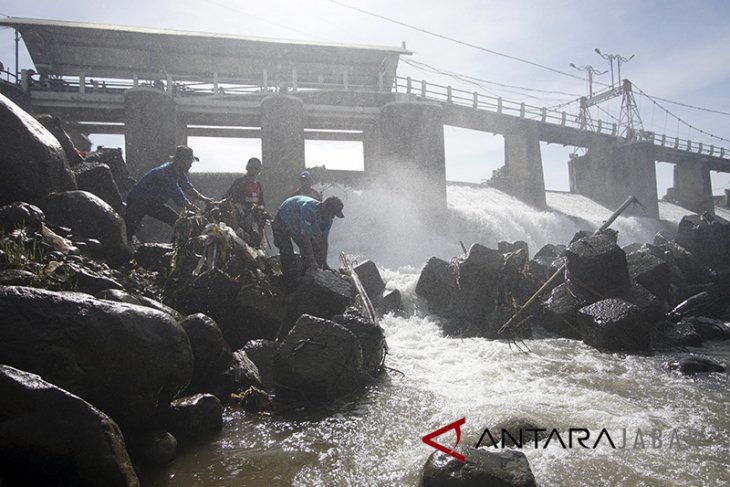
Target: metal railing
431, 91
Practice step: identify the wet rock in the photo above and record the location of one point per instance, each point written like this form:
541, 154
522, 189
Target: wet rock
118, 296
369, 276
242, 373
262, 352
318, 361
51, 437
371, 338
154, 256
614, 325
323, 294
55, 126
510, 247
126, 360
112, 157
682, 334
651, 307
211, 351
707, 237
650, 271
693, 271
596, 265
154, 304
546, 262
151, 448
503, 468
392, 302
87, 280
695, 365
253, 400
436, 284
704, 303
96, 178
261, 310
21, 215
195, 417
32, 161
18, 277
560, 312
708, 328
89, 216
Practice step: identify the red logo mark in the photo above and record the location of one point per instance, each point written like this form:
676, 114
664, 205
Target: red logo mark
456, 425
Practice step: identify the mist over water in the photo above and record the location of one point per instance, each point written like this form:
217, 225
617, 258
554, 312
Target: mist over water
374, 439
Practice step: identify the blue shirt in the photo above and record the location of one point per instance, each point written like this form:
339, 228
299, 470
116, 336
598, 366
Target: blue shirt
159, 185
301, 216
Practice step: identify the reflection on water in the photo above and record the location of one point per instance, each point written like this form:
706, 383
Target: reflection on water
376, 438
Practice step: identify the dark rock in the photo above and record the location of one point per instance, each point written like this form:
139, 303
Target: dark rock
262, 352
614, 325
154, 256
693, 271
211, 351
501, 468
704, 303
392, 302
151, 448
241, 374
261, 311
323, 294
21, 215
87, 280
371, 281
560, 312
682, 334
549, 254
253, 400
88, 216
510, 247
154, 304
695, 365
651, 307
18, 277
32, 161
195, 417
96, 178
707, 237
112, 157
436, 284
51, 437
55, 126
372, 341
650, 271
631, 248
127, 360
118, 296
708, 328
596, 265
318, 361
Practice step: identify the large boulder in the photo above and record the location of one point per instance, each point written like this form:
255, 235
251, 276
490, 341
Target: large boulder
614, 325
195, 417
21, 215
501, 468
319, 361
707, 237
596, 265
32, 161
96, 178
211, 351
436, 284
88, 216
262, 352
692, 364
369, 276
112, 157
650, 271
560, 312
371, 338
51, 437
126, 360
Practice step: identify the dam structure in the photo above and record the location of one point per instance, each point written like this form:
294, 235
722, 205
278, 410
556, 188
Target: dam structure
159, 87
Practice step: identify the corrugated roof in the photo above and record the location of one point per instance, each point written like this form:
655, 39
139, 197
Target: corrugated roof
113, 51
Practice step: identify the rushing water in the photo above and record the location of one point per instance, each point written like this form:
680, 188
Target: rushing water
375, 439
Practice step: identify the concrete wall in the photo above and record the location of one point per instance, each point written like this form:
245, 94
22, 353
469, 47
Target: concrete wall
522, 171
150, 129
693, 187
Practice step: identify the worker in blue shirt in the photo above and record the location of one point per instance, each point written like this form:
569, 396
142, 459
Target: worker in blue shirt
307, 222
151, 193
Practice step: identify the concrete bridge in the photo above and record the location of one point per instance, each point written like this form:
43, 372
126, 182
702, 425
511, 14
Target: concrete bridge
158, 88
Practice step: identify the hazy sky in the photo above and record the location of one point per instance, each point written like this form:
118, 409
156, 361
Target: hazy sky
680, 47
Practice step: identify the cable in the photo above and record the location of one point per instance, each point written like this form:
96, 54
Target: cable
451, 39
710, 110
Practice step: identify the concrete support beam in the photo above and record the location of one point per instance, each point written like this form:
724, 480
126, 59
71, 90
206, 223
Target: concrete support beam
282, 146
693, 187
181, 131
610, 172
149, 121
372, 148
413, 159
522, 173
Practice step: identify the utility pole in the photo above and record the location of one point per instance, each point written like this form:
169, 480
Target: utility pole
17, 43
614, 57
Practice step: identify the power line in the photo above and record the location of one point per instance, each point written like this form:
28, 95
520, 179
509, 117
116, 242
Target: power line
710, 110
451, 39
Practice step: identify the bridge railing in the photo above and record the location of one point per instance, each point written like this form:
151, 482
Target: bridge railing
425, 90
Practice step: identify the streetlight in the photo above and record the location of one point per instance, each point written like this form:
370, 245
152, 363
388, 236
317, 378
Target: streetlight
618, 58
591, 71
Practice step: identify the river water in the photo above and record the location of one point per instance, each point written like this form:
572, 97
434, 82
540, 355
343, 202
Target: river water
665, 429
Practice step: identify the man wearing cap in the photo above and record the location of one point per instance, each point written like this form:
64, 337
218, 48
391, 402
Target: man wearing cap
305, 187
307, 222
169, 181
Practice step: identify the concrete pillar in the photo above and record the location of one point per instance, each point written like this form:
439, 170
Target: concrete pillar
610, 172
372, 151
693, 187
523, 167
412, 149
181, 131
282, 146
149, 129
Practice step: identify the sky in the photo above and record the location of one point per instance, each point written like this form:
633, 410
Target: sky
680, 51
